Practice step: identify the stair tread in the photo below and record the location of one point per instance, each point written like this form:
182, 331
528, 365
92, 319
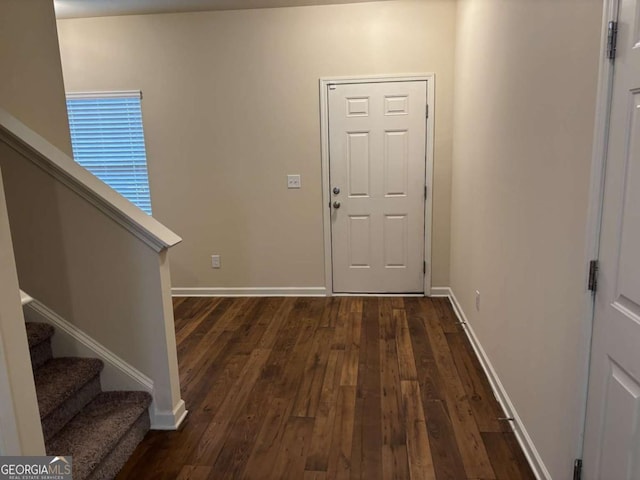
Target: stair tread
38, 333
97, 429
60, 378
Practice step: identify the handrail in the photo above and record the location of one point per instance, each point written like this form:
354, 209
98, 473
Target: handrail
62, 167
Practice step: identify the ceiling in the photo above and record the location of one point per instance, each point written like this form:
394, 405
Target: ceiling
105, 8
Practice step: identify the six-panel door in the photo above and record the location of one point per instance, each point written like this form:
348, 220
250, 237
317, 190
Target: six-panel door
377, 135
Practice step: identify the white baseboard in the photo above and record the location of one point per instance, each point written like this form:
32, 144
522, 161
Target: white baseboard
250, 292
378, 295
170, 420
528, 447
70, 341
441, 292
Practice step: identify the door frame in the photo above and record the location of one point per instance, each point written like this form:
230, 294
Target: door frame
596, 195
324, 154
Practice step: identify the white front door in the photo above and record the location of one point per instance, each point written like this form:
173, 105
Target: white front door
377, 135
612, 433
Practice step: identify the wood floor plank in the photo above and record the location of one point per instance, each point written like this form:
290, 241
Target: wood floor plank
507, 457
205, 342
406, 358
318, 458
330, 311
431, 385
253, 438
447, 318
486, 409
330, 388
190, 472
418, 448
340, 456
368, 433
212, 439
341, 323
291, 351
279, 317
474, 454
177, 301
295, 444
245, 434
311, 475
447, 461
192, 318
236, 344
308, 395
268, 442
394, 439
352, 354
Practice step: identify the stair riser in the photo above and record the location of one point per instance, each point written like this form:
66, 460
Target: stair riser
113, 463
57, 419
40, 354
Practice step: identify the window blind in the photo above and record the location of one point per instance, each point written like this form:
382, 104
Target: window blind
107, 138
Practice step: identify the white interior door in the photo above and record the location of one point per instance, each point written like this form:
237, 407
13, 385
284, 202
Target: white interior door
377, 134
612, 434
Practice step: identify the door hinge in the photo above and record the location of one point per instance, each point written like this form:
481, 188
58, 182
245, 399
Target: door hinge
332, 86
425, 192
424, 267
612, 39
577, 469
427, 114
593, 275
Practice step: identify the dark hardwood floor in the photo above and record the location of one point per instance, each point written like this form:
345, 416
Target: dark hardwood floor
329, 388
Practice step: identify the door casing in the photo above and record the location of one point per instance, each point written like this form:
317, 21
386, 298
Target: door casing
324, 152
596, 194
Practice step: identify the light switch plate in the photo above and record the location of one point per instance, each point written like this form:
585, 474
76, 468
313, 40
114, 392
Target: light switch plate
293, 181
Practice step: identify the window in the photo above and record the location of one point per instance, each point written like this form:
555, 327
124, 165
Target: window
108, 140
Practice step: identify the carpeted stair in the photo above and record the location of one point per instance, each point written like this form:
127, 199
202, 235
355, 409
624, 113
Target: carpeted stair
100, 430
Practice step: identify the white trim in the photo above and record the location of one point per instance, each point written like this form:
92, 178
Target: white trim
25, 298
250, 292
428, 204
61, 167
429, 78
114, 94
170, 420
596, 193
525, 441
441, 292
376, 295
133, 377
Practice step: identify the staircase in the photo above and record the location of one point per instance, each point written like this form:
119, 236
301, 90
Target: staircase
100, 430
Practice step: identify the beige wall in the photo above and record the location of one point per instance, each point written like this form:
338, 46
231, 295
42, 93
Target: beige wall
231, 106
31, 87
526, 76
20, 429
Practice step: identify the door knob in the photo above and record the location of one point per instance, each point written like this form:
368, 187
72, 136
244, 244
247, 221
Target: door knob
336, 190
336, 205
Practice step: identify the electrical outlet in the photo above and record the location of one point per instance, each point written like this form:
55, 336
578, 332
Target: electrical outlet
478, 300
293, 181
215, 261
